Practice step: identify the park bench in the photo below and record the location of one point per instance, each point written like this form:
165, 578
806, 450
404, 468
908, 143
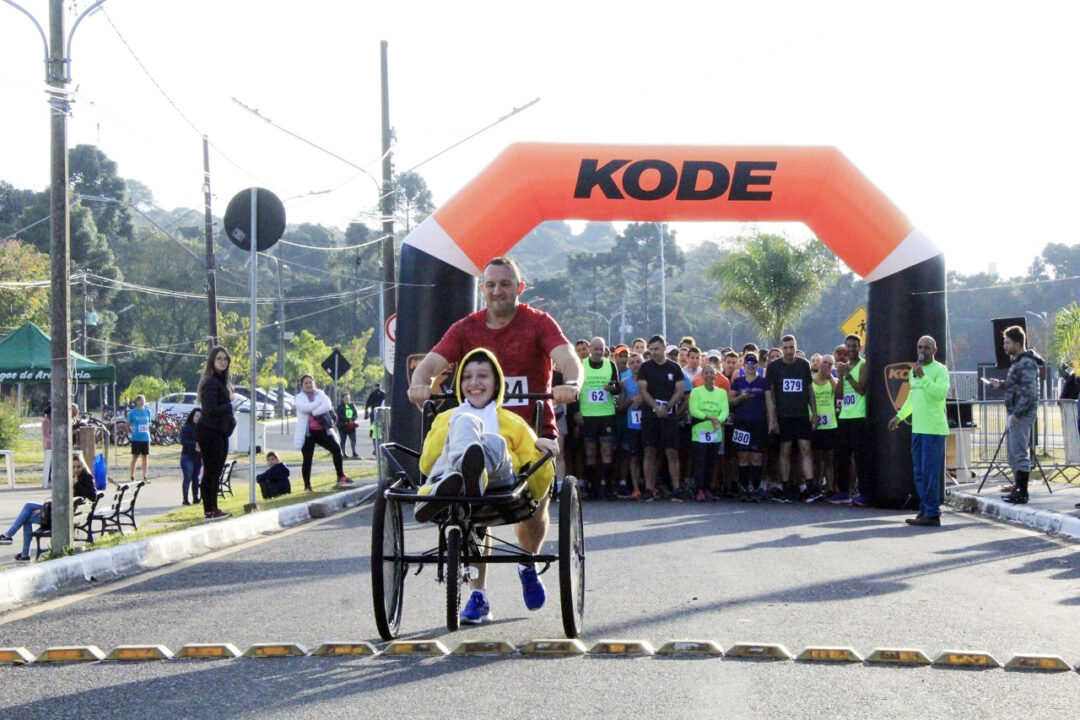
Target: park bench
225, 484
9, 466
111, 519
126, 516
78, 506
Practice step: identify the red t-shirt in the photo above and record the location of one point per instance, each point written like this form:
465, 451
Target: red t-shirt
523, 348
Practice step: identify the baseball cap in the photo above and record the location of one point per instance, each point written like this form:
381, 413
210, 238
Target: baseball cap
620, 348
713, 354
670, 349
750, 358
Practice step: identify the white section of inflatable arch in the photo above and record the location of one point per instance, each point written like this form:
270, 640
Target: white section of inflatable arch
912, 250
432, 239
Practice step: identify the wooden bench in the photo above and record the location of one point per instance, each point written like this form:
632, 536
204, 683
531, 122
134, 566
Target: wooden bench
225, 483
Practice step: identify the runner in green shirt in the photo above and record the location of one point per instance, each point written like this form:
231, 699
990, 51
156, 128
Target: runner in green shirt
823, 440
708, 411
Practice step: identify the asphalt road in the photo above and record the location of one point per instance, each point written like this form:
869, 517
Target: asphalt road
793, 575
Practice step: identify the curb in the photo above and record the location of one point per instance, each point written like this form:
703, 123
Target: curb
1052, 523
24, 584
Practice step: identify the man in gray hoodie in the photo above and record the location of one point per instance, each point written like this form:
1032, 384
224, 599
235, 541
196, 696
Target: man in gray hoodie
1022, 402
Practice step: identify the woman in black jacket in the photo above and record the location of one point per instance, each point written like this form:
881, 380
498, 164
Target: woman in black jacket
215, 426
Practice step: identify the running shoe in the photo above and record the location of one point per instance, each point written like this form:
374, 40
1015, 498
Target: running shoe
839, 499
448, 485
477, 611
344, 482
20, 558
759, 495
472, 470
811, 496
860, 500
634, 496
700, 497
5, 540
217, 515
532, 588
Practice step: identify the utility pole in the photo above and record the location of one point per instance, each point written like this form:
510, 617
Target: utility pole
387, 293
280, 331
84, 308
211, 278
60, 297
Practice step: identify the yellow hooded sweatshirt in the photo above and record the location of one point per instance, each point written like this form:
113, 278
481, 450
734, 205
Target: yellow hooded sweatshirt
520, 438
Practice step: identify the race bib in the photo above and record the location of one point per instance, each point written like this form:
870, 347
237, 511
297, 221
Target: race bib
142, 429
708, 436
517, 385
849, 399
792, 385
598, 396
822, 420
634, 419
741, 437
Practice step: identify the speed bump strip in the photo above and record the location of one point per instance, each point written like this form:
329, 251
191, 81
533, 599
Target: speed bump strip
278, 649
416, 647
966, 658
897, 656
691, 647
345, 648
554, 647
140, 652
759, 651
829, 654
73, 653
621, 647
15, 656
209, 651
485, 647
1045, 663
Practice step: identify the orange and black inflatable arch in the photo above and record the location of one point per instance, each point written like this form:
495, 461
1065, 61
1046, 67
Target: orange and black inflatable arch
530, 183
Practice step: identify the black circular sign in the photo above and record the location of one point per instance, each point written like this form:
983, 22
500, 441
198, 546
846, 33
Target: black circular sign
269, 215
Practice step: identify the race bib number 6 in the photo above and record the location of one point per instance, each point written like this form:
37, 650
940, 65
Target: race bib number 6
708, 436
792, 385
741, 437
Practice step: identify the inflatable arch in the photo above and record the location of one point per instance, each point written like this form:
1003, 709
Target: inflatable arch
531, 182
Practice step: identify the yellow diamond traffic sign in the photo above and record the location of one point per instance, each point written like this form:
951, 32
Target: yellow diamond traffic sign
855, 324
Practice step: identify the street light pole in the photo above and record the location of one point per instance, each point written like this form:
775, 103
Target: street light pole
663, 285
1044, 385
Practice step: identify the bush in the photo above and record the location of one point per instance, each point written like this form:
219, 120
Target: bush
151, 387
9, 425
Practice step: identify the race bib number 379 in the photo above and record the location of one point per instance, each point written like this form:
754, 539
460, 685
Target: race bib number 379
792, 385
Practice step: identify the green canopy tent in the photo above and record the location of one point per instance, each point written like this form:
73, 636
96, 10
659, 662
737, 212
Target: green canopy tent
26, 357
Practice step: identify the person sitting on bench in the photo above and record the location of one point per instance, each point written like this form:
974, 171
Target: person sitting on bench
41, 513
479, 446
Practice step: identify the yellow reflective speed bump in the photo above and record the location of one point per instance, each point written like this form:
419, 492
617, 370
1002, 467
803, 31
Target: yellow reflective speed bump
621, 647
209, 651
898, 656
1044, 663
829, 654
140, 652
759, 651
74, 653
15, 656
345, 648
554, 647
691, 647
416, 647
485, 647
275, 650
966, 658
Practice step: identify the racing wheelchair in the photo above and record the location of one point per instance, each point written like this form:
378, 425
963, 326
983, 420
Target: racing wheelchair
463, 530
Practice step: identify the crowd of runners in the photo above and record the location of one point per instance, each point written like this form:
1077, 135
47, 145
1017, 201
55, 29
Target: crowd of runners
656, 421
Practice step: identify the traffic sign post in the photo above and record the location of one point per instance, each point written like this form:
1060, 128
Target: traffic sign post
390, 334
855, 324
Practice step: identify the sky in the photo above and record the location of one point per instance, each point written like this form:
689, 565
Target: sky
962, 113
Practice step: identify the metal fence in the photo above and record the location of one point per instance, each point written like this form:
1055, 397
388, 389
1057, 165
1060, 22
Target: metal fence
1057, 437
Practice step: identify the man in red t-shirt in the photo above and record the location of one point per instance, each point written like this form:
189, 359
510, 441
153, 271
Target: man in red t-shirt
526, 342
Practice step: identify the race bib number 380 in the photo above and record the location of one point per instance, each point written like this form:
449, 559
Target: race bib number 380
792, 385
741, 437
516, 385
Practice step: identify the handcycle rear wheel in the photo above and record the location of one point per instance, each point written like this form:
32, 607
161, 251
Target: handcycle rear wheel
571, 558
387, 567
453, 578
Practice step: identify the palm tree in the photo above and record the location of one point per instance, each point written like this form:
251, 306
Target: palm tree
1066, 347
772, 281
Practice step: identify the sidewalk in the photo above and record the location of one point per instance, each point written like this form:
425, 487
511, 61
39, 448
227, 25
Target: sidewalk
1052, 513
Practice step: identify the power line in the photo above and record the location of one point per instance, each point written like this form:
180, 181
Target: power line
1000, 285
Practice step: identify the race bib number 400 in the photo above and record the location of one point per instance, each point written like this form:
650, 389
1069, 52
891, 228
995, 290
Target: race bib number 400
741, 437
849, 399
517, 385
792, 385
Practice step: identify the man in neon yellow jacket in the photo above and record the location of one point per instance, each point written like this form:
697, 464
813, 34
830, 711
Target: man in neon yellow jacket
928, 384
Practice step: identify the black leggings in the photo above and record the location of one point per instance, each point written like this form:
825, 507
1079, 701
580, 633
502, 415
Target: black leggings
347, 436
215, 450
323, 439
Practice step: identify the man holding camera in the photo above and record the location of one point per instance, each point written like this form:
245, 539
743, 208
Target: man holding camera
1022, 403
596, 416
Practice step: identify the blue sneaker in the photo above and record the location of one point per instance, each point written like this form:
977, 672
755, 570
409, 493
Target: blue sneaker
532, 588
860, 500
477, 611
839, 499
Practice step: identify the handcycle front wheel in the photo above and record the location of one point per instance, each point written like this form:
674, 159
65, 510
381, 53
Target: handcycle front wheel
571, 558
387, 567
453, 578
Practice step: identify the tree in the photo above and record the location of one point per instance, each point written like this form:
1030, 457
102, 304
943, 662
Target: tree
773, 281
19, 262
93, 174
413, 199
1066, 348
